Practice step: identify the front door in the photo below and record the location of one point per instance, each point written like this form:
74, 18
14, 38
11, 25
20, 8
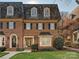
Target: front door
28, 42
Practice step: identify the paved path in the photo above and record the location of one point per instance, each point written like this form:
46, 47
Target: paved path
9, 55
73, 49
13, 53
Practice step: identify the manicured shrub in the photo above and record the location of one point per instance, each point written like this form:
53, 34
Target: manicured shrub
34, 47
2, 49
58, 43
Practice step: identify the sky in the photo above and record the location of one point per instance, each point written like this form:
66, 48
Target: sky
64, 5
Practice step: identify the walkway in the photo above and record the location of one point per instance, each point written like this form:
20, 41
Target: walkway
12, 54
73, 49
9, 55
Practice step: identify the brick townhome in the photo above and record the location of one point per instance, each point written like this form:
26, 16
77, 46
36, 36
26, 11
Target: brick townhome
22, 25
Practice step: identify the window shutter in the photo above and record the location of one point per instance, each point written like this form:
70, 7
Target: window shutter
1, 25
37, 26
49, 26
24, 26
31, 25
14, 25
7, 25
55, 26
43, 26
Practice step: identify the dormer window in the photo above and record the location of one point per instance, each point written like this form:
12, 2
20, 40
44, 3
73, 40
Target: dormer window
34, 12
46, 12
10, 11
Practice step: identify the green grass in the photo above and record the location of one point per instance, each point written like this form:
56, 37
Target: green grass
47, 55
2, 54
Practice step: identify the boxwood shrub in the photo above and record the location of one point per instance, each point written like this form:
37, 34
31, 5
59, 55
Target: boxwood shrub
58, 43
2, 49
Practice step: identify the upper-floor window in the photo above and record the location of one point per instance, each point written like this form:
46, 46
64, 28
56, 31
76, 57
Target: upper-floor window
28, 26
40, 26
51, 26
34, 12
47, 12
1, 25
11, 25
10, 11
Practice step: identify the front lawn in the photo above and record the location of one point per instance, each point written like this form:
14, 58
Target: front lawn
2, 54
47, 55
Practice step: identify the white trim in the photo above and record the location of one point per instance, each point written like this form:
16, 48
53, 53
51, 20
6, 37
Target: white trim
28, 37
10, 8
2, 36
76, 42
46, 36
11, 39
34, 12
47, 12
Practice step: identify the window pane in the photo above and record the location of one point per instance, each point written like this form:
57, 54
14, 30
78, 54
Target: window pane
34, 12
28, 26
52, 26
40, 26
10, 11
11, 25
45, 41
46, 12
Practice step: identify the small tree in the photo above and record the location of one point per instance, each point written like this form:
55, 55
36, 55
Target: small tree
59, 42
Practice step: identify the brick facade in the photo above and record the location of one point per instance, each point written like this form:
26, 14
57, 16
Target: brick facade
21, 16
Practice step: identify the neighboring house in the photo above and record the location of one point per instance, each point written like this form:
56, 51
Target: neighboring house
22, 25
70, 29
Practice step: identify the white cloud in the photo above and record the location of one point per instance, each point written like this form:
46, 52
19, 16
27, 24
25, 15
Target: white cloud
32, 2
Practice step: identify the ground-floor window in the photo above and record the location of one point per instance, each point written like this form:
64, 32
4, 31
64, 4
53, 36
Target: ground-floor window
45, 41
2, 41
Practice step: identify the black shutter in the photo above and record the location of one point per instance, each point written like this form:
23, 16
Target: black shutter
31, 25
1, 25
49, 26
43, 26
7, 25
37, 26
14, 25
24, 25
55, 25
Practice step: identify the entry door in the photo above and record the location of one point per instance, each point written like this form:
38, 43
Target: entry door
28, 42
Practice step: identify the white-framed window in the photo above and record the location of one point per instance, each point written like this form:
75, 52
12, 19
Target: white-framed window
34, 12
40, 26
28, 26
2, 41
47, 12
45, 41
11, 25
10, 11
76, 37
51, 26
